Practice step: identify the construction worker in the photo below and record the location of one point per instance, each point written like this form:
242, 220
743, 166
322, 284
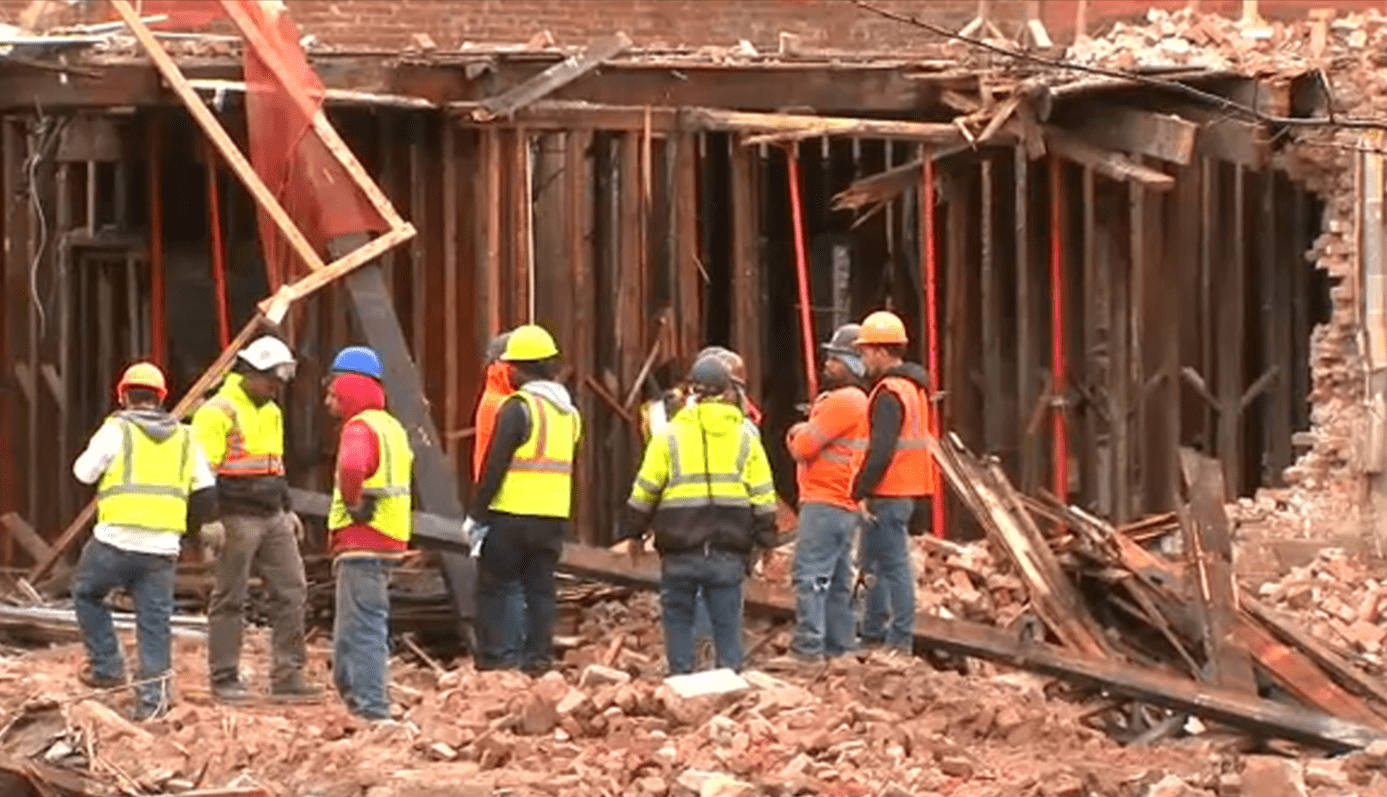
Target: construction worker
241, 429
151, 473
497, 389
655, 415
705, 487
827, 449
524, 499
893, 481
370, 523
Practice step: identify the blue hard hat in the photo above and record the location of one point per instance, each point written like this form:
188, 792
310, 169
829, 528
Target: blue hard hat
357, 360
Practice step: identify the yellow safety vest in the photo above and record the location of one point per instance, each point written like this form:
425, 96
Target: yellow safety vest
147, 486
687, 467
389, 485
253, 445
540, 479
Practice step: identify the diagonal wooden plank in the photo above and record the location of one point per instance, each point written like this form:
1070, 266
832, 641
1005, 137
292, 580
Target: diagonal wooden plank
553, 78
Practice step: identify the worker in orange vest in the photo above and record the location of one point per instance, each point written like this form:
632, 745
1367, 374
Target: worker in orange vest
828, 449
498, 388
894, 481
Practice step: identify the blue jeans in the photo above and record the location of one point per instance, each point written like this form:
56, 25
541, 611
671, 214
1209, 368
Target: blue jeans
885, 560
824, 623
517, 598
148, 579
361, 635
719, 575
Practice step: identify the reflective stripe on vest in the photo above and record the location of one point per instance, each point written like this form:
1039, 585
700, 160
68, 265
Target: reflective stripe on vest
389, 486
911, 471
704, 471
237, 461
539, 481
147, 487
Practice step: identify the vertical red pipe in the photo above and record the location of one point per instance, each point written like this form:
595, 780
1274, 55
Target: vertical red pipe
214, 222
929, 257
806, 310
1061, 386
156, 243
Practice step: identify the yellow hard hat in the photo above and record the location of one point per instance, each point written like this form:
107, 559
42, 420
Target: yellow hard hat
528, 343
882, 328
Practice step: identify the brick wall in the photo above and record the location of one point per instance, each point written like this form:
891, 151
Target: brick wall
390, 24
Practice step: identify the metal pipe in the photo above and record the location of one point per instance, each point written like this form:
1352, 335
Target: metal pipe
156, 245
214, 221
1060, 382
806, 318
930, 258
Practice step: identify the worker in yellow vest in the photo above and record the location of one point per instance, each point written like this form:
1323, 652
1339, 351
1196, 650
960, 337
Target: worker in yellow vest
150, 471
241, 429
524, 502
370, 524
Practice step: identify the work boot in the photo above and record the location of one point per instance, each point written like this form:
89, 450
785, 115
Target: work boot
231, 691
88, 677
295, 690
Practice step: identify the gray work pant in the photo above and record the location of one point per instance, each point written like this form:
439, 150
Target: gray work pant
266, 547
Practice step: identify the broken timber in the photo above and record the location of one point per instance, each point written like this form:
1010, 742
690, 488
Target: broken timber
1105, 162
552, 79
1138, 132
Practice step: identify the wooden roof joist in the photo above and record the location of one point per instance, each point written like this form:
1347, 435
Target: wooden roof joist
764, 127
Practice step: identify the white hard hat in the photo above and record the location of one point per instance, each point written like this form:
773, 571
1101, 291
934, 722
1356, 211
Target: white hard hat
269, 354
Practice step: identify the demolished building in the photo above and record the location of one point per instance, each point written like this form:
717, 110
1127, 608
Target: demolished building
1165, 238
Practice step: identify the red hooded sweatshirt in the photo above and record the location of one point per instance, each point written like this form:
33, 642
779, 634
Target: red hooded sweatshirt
498, 389
358, 456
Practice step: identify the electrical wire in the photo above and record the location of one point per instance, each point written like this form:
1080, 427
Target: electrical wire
1136, 77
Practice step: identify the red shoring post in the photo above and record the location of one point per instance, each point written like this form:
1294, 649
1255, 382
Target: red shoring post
1057, 330
806, 310
929, 256
214, 221
156, 243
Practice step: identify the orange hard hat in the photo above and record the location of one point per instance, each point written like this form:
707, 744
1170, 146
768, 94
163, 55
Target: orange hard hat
882, 328
143, 375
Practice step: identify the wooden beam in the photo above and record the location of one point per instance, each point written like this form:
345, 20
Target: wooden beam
1209, 545
553, 78
887, 185
1119, 365
1278, 318
688, 282
33, 544
219, 137
1095, 293
490, 273
275, 307
1105, 162
1027, 381
578, 218
1343, 671
990, 287
452, 415
1136, 132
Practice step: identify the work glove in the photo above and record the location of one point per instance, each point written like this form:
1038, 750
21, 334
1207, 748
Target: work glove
296, 525
475, 534
362, 511
213, 538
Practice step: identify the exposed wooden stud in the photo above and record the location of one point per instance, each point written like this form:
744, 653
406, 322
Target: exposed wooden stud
1300, 317
690, 283
1136, 341
418, 270
1095, 296
491, 261
1026, 379
746, 264
388, 156
31, 294
994, 420
16, 298
1276, 317
521, 229
632, 301
1208, 204
1231, 315
958, 337
1120, 370
578, 219
62, 274
452, 416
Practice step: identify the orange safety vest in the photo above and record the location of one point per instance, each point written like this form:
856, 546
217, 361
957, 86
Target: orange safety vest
911, 472
826, 476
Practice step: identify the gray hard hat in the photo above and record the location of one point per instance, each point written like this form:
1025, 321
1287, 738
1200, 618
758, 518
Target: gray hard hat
841, 347
710, 375
496, 347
